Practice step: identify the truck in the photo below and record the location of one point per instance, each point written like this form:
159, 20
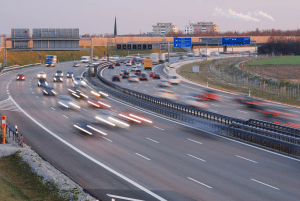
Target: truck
51, 60
162, 58
155, 58
85, 59
148, 64
205, 54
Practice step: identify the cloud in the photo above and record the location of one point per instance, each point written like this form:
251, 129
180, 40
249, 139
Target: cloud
231, 13
265, 15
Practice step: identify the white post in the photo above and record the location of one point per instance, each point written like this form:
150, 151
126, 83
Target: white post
249, 93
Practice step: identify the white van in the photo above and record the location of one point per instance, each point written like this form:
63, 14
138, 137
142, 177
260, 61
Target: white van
174, 79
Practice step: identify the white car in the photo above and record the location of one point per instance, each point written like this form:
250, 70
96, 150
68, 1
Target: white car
174, 79
128, 63
138, 64
79, 81
166, 94
66, 101
41, 75
196, 102
133, 68
133, 78
110, 118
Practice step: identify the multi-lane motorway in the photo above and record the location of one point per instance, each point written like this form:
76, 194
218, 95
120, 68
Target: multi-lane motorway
161, 161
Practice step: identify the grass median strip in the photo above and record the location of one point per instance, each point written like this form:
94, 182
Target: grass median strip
19, 182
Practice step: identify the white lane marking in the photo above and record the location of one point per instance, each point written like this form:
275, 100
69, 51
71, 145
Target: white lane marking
123, 198
246, 159
215, 105
84, 109
43, 102
242, 118
89, 157
199, 182
144, 90
152, 140
265, 184
196, 157
65, 116
143, 156
32, 92
212, 110
30, 88
107, 139
52, 108
36, 96
194, 141
242, 111
180, 123
293, 111
159, 128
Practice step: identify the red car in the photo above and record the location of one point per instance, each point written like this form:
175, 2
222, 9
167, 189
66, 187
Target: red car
138, 72
155, 76
118, 64
21, 77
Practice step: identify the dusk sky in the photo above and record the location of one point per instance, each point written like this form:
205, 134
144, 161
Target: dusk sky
133, 16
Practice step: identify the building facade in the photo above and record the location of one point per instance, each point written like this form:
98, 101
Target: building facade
201, 27
162, 29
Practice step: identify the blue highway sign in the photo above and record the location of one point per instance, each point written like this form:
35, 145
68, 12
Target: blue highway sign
182, 42
236, 41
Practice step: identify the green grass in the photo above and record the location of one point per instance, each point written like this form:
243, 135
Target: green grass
19, 182
291, 60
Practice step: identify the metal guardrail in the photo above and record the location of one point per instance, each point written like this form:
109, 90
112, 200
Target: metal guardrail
9, 68
272, 140
16, 136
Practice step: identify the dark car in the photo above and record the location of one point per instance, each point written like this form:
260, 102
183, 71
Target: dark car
251, 102
70, 74
117, 64
59, 73
58, 79
111, 66
137, 72
126, 74
143, 76
49, 91
42, 83
156, 76
116, 78
21, 77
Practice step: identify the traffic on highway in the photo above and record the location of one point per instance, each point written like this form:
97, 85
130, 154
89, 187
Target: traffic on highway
112, 147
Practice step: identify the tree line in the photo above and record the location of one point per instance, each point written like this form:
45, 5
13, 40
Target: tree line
280, 46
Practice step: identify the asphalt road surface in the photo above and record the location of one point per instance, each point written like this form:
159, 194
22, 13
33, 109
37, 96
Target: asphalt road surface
164, 160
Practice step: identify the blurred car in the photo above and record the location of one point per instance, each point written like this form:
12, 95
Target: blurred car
94, 102
49, 91
134, 118
174, 79
117, 64
181, 58
111, 66
108, 117
155, 76
207, 95
66, 101
133, 78
41, 75
59, 73
141, 61
77, 93
164, 83
166, 94
143, 76
138, 64
116, 78
42, 83
151, 73
70, 74
88, 127
58, 79
95, 57
195, 102
121, 72
126, 74
79, 81
137, 72
21, 77
128, 63
250, 102
76, 64
133, 68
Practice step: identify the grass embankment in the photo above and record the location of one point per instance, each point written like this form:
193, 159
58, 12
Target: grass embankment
291, 60
18, 182
218, 78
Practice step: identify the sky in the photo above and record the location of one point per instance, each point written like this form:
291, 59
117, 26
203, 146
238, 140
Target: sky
135, 16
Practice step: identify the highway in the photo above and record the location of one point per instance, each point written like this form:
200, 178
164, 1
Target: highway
161, 161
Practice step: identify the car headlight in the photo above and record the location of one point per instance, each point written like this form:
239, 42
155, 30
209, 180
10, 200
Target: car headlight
55, 74
44, 76
83, 82
54, 79
60, 79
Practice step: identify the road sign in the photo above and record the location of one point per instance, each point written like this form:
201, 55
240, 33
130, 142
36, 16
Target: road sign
236, 41
182, 42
